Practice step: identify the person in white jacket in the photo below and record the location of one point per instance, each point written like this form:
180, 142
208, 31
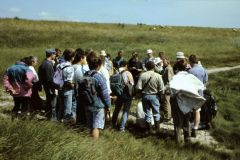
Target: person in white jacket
185, 97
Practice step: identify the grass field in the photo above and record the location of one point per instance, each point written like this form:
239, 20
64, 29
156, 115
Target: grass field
18, 38
46, 140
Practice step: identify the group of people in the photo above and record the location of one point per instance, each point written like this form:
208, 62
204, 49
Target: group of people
87, 91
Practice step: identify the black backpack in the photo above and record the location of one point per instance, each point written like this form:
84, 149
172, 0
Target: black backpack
209, 109
86, 89
117, 84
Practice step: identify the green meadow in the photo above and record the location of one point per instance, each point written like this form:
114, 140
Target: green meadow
19, 38
31, 139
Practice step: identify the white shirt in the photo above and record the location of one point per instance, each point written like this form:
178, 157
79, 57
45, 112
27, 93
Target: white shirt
103, 71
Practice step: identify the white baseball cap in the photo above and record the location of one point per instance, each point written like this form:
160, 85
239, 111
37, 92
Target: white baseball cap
103, 53
149, 51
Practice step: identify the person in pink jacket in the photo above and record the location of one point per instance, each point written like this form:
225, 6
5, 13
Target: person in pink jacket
18, 83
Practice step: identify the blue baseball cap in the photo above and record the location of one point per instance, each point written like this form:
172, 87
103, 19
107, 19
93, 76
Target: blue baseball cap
51, 51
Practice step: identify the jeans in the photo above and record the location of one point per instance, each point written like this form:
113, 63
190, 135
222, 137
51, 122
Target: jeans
69, 110
151, 102
126, 103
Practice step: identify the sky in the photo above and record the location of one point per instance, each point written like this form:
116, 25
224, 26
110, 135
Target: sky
203, 13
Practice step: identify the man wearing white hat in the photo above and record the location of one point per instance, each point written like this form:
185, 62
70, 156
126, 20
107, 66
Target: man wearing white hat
148, 58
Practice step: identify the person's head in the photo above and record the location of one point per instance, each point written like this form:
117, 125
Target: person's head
161, 54
80, 56
88, 51
50, 54
149, 53
166, 61
134, 55
123, 64
150, 65
120, 53
31, 60
180, 65
192, 59
109, 56
69, 54
94, 62
180, 55
58, 52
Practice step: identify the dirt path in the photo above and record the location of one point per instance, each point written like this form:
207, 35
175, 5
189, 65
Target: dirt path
221, 69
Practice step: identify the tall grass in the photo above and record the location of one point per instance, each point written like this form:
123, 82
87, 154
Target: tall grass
226, 88
45, 140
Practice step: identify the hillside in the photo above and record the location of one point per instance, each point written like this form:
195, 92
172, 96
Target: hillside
18, 38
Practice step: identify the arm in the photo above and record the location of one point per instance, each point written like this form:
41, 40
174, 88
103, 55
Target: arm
103, 91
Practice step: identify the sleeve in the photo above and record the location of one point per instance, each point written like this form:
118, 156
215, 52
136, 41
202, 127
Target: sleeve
69, 74
103, 91
161, 85
205, 79
7, 84
29, 79
139, 83
49, 74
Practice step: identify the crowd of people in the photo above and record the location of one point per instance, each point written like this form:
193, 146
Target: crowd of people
91, 82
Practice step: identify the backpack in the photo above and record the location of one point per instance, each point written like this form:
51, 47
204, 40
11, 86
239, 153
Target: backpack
58, 77
117, 84
209, 109
87, 92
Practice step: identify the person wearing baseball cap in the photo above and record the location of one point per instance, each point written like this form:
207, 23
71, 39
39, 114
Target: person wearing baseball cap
45, 73
148, 58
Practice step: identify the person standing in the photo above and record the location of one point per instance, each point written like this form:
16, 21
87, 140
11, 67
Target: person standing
18, 83
149, 57
36, 101
135, 66
66, 92
118, 60
199, 72
185, 98
125, 99
46, 73
167, 74
95, 112
151, 85
80, 68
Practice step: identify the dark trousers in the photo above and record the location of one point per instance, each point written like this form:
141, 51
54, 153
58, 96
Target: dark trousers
50, 100
80, 112
21, 104
180, 120
126, 104
36, 101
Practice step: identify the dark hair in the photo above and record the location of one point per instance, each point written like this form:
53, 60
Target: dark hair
180, 65
68, 54
93, 61
57, 50
48, 54
150, 65
29, 60
161, 54
88, 51
79, 54
108, 56
193, 59
123, 63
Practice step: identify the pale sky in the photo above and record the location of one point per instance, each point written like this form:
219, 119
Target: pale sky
206, 13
